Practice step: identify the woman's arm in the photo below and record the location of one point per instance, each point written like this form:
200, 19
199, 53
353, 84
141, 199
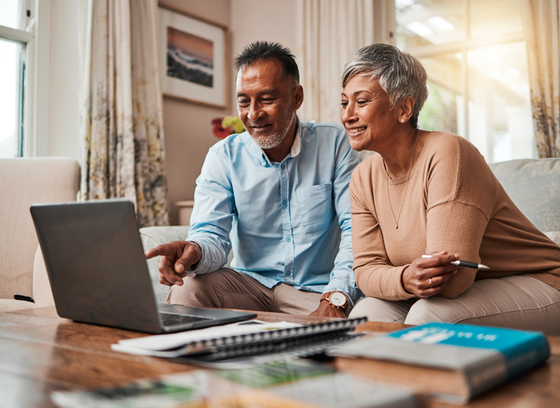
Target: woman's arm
461, 193
457, 228
375, 275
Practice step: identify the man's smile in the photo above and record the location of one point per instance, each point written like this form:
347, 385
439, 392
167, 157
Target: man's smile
260, 127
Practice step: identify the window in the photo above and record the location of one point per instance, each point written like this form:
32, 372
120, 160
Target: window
14, 41
475, 56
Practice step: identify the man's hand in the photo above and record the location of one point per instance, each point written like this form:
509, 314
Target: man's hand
325, 309
427, 276
175, 259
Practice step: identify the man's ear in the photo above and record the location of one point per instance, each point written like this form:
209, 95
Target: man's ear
406, 109
298, 97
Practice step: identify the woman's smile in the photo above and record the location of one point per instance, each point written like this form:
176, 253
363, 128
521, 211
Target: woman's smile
356, 131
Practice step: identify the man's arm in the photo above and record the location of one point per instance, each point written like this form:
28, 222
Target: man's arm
342, 277
212, 214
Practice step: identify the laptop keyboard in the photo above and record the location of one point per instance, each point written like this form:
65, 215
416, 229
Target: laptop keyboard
172, 319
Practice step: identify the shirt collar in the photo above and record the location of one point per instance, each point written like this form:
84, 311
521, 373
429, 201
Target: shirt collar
296, 145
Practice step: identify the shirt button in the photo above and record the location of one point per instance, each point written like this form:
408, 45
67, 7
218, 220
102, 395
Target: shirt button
288, 239
284, 203
282, 166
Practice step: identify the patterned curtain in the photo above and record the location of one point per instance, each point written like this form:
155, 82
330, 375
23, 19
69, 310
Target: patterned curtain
542, 32
329, 32
122, 121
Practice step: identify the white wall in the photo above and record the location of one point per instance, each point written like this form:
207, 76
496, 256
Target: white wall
57, 118
261, 20
64, 81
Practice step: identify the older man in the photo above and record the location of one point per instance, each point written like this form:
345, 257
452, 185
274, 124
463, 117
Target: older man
278, 194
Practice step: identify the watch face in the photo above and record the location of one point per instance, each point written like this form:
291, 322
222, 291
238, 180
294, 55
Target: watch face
337, 298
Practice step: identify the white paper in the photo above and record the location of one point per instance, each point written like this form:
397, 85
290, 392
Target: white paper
179, 344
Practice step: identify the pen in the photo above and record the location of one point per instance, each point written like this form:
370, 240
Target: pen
469, 264
465, 264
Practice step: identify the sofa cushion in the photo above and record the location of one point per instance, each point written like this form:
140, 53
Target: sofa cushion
534, 186
554, 235
42, 292
9, 305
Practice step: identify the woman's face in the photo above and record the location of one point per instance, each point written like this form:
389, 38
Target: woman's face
367, 115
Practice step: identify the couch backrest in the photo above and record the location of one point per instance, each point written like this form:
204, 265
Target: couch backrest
534, 186
23, 182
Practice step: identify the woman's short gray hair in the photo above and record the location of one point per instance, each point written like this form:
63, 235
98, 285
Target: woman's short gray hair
398, 73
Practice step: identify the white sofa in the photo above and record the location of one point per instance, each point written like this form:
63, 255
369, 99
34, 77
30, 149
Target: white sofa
23, 182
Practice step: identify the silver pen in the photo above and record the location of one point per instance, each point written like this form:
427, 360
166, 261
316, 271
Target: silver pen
467, 264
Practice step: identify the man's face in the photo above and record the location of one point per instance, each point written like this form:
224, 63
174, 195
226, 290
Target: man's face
267, 102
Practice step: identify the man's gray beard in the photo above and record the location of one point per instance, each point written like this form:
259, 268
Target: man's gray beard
272, 141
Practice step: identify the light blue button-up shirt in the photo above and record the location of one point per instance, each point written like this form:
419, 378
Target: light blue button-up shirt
287, 222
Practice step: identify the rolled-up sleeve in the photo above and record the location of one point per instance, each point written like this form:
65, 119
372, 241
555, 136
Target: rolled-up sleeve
212, 214
342, 276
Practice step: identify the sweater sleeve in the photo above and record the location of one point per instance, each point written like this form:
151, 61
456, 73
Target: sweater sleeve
456, 228
461, 196
375, 275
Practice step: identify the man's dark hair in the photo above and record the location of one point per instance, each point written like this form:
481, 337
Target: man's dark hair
264, 51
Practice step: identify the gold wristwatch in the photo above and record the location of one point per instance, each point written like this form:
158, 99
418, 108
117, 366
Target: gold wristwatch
336, 299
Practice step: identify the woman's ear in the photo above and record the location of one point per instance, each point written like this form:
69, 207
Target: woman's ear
406, 109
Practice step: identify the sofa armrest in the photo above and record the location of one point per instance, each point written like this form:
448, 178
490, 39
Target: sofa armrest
151, 238
42, 291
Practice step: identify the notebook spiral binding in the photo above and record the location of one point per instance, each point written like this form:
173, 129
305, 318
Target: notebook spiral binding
303, 340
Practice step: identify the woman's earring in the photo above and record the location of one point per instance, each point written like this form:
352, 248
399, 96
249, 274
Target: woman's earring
402, 120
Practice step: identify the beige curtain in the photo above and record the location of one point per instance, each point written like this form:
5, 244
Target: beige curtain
329, 32
122, 122
542, 32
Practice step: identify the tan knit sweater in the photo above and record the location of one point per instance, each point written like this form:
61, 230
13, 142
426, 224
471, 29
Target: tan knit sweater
453, 203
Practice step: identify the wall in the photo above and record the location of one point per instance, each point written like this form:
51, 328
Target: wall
266, 20
56, 116
64, 80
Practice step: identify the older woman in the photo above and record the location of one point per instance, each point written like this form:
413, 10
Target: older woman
428, 200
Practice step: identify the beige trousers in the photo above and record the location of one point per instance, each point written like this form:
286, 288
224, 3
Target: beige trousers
516, 301
226, 288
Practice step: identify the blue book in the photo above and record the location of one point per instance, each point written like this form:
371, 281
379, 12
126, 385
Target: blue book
453, 362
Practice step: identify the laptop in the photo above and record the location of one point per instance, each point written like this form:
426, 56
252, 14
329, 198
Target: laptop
98, 273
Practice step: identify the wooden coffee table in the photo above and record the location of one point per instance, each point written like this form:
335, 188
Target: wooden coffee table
40, 353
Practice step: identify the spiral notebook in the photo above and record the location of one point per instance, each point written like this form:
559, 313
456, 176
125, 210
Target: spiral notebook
234, 343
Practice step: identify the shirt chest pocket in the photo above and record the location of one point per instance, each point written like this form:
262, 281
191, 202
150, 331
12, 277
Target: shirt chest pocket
314, 207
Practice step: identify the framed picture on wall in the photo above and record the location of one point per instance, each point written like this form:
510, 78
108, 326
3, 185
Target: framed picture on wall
192, 58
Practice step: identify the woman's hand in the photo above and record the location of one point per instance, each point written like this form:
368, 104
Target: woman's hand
428, 275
